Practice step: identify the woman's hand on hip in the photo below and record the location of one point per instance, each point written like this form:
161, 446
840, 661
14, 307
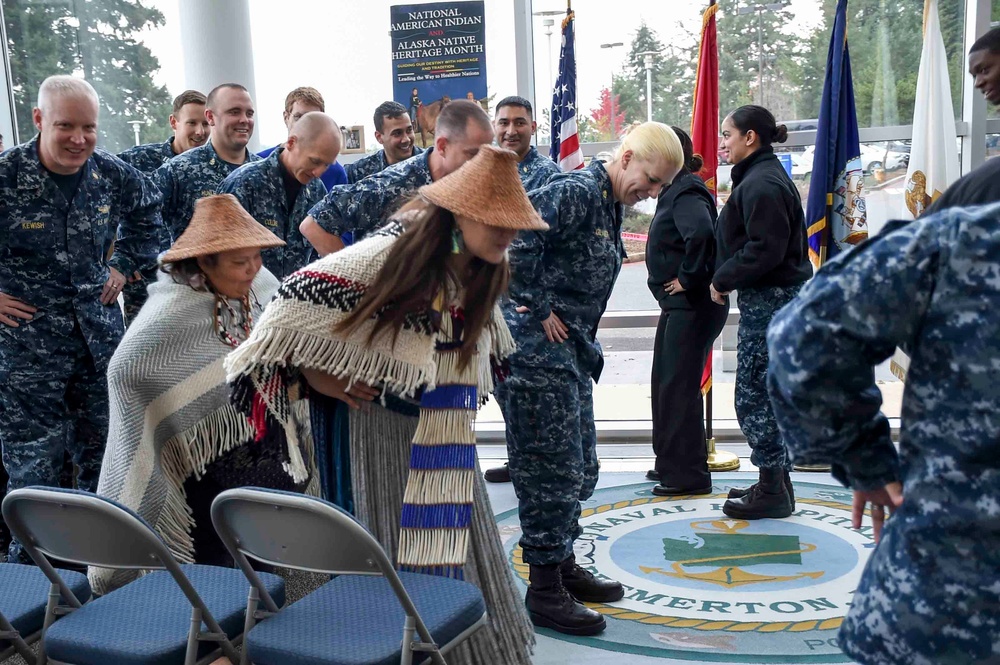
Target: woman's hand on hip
718, 296
673, 287
555, 330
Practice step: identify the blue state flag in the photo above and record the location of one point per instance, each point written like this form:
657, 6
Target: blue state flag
835, 214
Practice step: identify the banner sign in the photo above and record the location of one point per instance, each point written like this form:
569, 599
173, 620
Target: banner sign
438, 51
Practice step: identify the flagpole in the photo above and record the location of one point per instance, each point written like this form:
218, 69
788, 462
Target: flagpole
703, 127
709, 437
836, 170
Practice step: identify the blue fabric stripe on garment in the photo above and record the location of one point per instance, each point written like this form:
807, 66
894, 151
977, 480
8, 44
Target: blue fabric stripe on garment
450, 397
445, 456
454, 572
437, 516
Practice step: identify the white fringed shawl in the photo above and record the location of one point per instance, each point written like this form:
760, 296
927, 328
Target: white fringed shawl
170, 411
297, 330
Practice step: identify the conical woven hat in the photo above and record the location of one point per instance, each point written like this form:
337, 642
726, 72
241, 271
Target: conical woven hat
219, 224
487, 189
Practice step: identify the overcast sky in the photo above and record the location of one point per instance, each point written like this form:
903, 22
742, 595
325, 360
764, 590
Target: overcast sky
342, 48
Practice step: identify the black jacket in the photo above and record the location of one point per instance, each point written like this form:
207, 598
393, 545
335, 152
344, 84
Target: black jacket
681, 242
761, 234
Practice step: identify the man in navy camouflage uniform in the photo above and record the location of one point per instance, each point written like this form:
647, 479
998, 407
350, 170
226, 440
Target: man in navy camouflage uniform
561, 280
298, 102
199, 172
930, 592
462, 128
394, 132
279, 191
514, 126
62, 204
191, 129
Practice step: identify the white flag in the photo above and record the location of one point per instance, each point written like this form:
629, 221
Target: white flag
934, 149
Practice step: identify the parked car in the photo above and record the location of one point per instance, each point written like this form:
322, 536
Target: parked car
873, 156
903, 148
801, 125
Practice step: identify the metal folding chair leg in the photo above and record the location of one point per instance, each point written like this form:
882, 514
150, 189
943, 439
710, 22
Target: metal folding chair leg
253, 600
50, 616
9, 634
191, 656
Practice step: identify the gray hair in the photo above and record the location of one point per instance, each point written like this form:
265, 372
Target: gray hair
62, 85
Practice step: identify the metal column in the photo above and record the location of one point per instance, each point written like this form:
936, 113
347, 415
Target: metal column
977, 22
215, 41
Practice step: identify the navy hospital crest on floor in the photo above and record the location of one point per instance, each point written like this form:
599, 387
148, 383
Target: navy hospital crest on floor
702, 586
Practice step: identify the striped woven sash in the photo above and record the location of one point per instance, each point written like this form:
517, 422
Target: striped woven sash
437, 503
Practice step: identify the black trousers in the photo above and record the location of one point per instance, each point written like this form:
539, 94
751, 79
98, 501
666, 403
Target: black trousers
684, 338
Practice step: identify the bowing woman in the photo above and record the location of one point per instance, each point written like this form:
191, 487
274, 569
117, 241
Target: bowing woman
409, 315
680, 258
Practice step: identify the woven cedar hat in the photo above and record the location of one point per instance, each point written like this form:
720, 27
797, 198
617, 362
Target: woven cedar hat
219, 224
487, 189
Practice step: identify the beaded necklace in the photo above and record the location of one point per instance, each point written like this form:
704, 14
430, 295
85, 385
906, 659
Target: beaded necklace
244, 322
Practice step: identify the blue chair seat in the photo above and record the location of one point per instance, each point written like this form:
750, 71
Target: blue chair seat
26, 591
147, 621
354, 620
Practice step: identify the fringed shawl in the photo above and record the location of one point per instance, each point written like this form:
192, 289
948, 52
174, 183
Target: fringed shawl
297, 330
170, 411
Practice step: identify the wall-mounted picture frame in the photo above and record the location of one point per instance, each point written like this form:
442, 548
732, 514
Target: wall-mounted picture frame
354, 139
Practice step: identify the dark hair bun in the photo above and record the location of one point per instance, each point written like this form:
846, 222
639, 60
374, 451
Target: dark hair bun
780, 134
694, 163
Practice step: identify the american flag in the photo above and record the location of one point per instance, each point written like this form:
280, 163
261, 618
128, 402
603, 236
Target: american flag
565, 149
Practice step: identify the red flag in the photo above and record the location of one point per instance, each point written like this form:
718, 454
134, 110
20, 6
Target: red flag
705, 122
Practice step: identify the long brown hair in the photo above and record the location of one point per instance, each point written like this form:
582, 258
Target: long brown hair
417, 269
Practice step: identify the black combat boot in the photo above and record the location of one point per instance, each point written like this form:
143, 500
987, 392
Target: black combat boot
767, 498
587, 587
740, 492
550, 605
498, 474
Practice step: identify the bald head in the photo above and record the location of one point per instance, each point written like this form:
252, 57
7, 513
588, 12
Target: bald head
313, 144
317, 127
65, 87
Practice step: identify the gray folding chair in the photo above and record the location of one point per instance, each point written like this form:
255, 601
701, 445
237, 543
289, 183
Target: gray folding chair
29, 603
155, 619
369, 608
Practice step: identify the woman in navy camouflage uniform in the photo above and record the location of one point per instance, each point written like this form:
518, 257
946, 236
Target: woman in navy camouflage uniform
560, 284
763, 255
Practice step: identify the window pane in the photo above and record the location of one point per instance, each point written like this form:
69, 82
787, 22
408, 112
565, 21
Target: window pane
355, 74
775, 57
102, 41
992, 146
991, 110
884, 164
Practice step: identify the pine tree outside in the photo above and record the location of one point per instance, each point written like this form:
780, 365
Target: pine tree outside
98, 40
